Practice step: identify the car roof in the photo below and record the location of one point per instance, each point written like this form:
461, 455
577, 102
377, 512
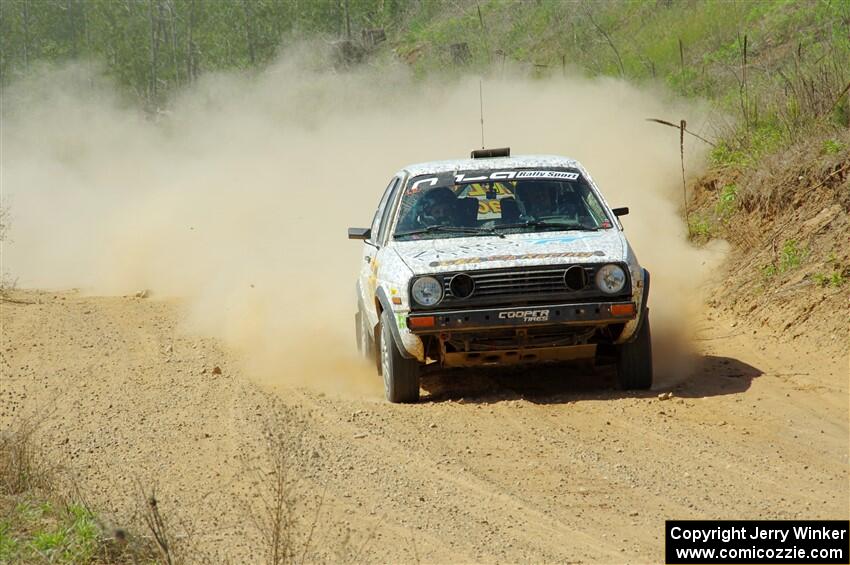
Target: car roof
515, 162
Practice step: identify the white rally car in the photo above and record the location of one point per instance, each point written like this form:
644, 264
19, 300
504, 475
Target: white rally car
498, 260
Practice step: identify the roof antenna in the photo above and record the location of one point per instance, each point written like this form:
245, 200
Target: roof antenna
481, 105
486, 153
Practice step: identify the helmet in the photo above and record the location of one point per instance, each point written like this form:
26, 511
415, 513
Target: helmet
436, 207
535, 196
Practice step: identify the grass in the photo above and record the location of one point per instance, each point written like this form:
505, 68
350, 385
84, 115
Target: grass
832, 146
745, 147
724, 154
727, 201
40, 522
777, 68
700, 228
791, 256
835, 279
769, 271
706, 224
23, 468
43, 531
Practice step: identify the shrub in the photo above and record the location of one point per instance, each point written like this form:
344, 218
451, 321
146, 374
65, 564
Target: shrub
699, 228
791, 256
727, 201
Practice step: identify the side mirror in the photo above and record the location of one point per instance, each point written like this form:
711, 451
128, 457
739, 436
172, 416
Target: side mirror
359, 233
624, 211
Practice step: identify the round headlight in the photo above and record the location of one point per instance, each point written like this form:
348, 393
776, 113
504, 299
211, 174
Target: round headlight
427, 291
610, 279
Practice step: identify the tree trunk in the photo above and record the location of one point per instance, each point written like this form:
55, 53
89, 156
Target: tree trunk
190, 48
249, 29
154, 51
72, 25
347, 20
175, 57
26, 7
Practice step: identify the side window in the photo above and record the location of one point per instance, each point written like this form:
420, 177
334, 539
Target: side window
595, 207
376, 221
386, 219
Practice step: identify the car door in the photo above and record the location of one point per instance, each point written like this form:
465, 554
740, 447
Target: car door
372, 251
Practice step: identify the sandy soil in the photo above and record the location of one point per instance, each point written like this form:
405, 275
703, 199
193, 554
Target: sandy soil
542, 466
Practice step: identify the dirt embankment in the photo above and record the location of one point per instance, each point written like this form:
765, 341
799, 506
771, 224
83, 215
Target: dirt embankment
788, 220
537, 465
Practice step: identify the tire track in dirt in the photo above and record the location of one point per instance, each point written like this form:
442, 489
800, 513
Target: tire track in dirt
455, 484
522, 466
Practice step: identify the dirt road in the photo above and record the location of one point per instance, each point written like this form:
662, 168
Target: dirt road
533, 466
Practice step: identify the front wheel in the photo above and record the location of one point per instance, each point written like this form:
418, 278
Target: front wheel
634, 360
401, 376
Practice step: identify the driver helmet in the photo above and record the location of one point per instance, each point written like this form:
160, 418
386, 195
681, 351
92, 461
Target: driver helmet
436, 207
535, 196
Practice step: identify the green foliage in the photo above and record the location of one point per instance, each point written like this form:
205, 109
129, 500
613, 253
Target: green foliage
832, 146
700, 228
796, 54
768, 271
723, 155
155, 46
727, 201
791, 256
84, 534
834, 279
48, 543
8, 542
841, 112
765, 137
40, 531
746, 146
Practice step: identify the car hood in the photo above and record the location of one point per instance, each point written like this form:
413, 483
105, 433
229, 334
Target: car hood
528, 249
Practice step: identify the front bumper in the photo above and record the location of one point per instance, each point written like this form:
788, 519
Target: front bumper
591, 313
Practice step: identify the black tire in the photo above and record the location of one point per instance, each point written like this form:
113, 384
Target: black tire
401, 376
634, 360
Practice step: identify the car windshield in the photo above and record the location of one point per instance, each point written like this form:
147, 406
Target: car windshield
459, 204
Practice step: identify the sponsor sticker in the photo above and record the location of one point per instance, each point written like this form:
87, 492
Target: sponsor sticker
471, 178
525, 315
471, 260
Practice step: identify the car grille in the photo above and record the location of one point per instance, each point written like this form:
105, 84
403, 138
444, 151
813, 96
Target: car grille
519, 286
526, 282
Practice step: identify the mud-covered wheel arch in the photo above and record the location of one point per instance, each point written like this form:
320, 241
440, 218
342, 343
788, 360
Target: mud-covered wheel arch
401, 375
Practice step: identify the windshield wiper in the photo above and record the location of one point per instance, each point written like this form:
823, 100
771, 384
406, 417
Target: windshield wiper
568, 226
450, 229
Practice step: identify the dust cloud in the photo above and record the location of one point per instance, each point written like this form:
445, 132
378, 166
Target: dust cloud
237, 197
